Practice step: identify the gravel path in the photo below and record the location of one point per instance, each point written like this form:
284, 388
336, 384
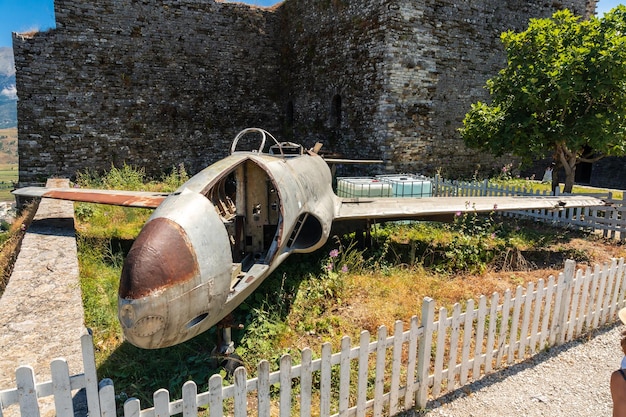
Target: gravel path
571, 380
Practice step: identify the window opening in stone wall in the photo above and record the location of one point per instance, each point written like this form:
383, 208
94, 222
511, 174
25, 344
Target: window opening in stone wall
335, 111
289, 114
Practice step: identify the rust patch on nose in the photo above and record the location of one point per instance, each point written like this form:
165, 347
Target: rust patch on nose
161, 257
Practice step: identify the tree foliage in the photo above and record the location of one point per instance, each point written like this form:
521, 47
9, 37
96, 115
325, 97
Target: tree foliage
562, 93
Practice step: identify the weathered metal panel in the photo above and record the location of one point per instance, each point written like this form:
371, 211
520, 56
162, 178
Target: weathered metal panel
372, 208
138, 199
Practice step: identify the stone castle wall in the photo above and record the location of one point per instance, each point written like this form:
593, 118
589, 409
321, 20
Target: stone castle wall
467, 52
152, 84
155, 84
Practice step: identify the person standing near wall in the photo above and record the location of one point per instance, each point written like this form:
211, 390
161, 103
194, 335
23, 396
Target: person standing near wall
547, 175
618, 378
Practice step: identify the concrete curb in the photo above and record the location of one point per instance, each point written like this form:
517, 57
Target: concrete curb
41, 310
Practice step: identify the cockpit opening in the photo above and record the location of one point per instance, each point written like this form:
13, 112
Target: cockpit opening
249, 205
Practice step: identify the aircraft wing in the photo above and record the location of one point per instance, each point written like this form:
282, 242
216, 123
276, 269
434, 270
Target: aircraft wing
436, 207
138, 199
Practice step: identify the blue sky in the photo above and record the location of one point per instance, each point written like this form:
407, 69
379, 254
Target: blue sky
27, 15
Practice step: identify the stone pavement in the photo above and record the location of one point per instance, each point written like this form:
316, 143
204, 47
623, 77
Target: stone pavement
41, 310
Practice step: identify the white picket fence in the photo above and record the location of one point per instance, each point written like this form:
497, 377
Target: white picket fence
610, 220
437, 353
62, 387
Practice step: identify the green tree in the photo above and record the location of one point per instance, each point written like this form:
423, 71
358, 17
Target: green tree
562, 92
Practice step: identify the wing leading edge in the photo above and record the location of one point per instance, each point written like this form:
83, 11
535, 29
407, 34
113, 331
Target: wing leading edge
346, 208
433, 207
137, 199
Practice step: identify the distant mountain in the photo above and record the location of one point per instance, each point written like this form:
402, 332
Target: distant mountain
8, 93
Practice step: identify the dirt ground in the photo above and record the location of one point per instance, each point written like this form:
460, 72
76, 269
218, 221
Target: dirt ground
531, 266
587, 251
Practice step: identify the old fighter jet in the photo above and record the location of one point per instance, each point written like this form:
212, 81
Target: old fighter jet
211, 243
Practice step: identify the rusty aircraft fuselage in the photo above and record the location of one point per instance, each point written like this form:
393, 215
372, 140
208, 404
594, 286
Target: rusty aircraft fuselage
211, 243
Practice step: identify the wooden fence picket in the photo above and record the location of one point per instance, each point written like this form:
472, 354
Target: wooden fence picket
574, 309
538, 304
592, 295
425, 344
480, 335
565, 300
616, 287
441, 345
504, 327
379, 379
584, 296
91, 374
161, 400
610, 283
526, 310
556, 313
362, 374
240, 403
455, 326
491, 333
467, 340
26, 391
61, 388
598, 306
396, 367
325, 382
306, 382
513, 342
411, 384
190, 399
621, 274
545, 321
285, 386
263, 386
106, 396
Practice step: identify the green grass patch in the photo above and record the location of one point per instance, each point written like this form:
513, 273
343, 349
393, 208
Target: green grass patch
535, 187
8, 179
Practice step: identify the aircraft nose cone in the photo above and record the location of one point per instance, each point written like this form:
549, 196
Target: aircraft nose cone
161, 256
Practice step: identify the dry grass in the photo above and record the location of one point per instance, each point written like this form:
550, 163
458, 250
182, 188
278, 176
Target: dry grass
10, 248
370, 300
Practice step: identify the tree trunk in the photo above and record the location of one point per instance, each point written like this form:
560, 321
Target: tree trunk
568, 160
569, 179
570, 172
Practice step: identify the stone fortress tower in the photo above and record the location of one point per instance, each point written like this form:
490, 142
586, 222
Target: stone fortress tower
157, 83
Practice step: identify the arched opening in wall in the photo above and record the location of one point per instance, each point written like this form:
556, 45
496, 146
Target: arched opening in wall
335, 111
289, 114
